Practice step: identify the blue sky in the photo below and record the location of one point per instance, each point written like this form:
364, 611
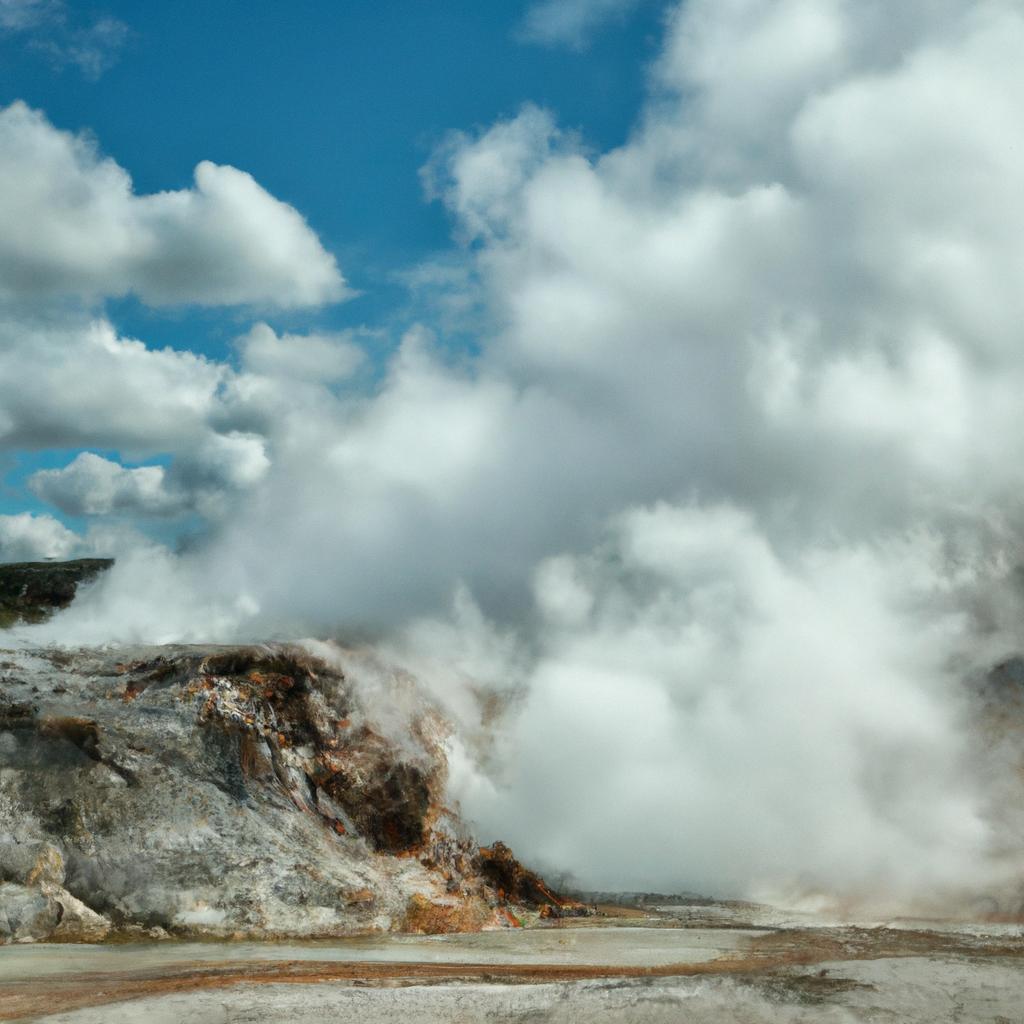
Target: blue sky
333, 108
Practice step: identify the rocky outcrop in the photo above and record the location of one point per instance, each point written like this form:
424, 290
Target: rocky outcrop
33, 901
516, 884
231, 792
32, 591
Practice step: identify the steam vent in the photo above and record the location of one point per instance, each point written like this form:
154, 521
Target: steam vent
226, 792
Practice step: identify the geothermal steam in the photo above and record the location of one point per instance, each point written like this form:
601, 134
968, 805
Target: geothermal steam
700, 546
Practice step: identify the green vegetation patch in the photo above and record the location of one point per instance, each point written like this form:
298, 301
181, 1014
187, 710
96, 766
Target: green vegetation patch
31, 592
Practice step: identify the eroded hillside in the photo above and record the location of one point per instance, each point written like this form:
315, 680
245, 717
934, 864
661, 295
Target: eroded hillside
236, 792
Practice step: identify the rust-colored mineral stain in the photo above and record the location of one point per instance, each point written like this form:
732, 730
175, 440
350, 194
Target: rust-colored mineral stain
61, 996
766, 953
517, 884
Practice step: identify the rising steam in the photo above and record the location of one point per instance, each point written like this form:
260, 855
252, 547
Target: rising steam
701, 547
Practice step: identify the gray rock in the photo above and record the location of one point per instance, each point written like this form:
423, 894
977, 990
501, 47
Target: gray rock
78, 923
26, 914
31, 863
222, 792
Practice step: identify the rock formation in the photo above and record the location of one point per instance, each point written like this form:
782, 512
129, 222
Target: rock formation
230, 792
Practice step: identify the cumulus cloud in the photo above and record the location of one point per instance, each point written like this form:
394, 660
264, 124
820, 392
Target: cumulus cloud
93, 485
75, 233
316, 357
67, 381
482, 184
76, 227
728, 494
73, 381
201, 480
28, 538
570, 22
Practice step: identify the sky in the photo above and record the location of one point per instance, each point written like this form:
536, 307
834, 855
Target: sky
649, 371
233, 82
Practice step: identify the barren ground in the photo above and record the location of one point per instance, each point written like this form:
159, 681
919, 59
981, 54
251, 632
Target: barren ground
657, 965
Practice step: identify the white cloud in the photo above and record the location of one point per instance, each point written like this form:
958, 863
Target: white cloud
75, 383
50, 29
75, 232
94, 49
92, 485
72, 383
214, 476
29, 538
74, 226
314, 357
482, 184
571, 22
203, 479
236, 459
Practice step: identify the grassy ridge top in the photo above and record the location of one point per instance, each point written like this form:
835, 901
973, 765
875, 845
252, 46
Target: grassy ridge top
32, 591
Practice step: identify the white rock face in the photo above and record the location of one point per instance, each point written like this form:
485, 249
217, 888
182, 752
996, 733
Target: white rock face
218, 792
